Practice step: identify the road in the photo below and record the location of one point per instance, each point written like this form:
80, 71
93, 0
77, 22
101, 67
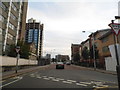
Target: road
70, 77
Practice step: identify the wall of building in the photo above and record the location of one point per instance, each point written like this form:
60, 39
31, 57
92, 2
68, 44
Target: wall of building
10, 61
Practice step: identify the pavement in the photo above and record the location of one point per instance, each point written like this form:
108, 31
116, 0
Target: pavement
9, 74
98, 70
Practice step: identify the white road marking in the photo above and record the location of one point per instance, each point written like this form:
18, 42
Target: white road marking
11, 82
104, 85
46, 78
39, 77
95, 86
55, 80
59, 78
71, 81
67, 82
81, 84
85, 83
50, 77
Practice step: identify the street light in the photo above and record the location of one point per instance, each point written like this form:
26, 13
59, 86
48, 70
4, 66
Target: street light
93, 49
18, 55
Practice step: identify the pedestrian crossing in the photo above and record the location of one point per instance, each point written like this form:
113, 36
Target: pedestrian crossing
91, 83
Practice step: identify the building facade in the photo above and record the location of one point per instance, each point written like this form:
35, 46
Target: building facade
12, 23
34, 33
75, 49
62, 58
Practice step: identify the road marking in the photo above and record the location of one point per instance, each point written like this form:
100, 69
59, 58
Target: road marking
59, 78
85, 83
81, 84
46, 78
67, 82
71, 81
50, 77
56, 80
39, 77
11, 82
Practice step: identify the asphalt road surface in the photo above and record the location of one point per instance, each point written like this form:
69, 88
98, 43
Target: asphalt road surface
70, 77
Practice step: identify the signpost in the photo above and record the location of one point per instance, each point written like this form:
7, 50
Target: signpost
116, 29
18, 55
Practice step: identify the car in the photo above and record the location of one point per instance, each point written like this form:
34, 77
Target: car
59, 65
68, 63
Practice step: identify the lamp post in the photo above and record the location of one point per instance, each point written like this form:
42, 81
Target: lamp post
93, 49
115, 45
18, 55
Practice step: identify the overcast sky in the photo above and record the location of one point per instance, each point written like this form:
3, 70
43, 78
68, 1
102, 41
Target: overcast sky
64, 21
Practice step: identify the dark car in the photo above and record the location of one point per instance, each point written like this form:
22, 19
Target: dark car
59, 65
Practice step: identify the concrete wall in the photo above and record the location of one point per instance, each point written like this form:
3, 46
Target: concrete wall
10, 61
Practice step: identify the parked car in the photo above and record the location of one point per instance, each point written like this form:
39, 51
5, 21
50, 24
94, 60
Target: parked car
68, 63
59, 65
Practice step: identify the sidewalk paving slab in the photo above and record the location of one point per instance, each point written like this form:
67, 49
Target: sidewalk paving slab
98, 70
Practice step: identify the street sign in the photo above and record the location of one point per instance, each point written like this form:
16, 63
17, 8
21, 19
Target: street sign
17, 49
115, 27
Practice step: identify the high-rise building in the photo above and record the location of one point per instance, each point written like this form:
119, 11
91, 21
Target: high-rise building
34, 33
12, 23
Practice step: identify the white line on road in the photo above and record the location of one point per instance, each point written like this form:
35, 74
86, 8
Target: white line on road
11, 82
46, 78
81, 84
71, 81
85, 83
59, 78
39, 77
67, 82
50, 77
55, 80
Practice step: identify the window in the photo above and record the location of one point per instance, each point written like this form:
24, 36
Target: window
10, 36
2, 5
12, 16
11, 26
13, 6
105, 39
105, 49
96, 44
2, 18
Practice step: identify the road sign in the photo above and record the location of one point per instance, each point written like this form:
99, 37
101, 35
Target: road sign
115, 27
17, 49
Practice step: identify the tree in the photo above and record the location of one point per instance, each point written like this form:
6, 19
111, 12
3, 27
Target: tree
24, 50
85, 53
96, 52
12, 51
76, 57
